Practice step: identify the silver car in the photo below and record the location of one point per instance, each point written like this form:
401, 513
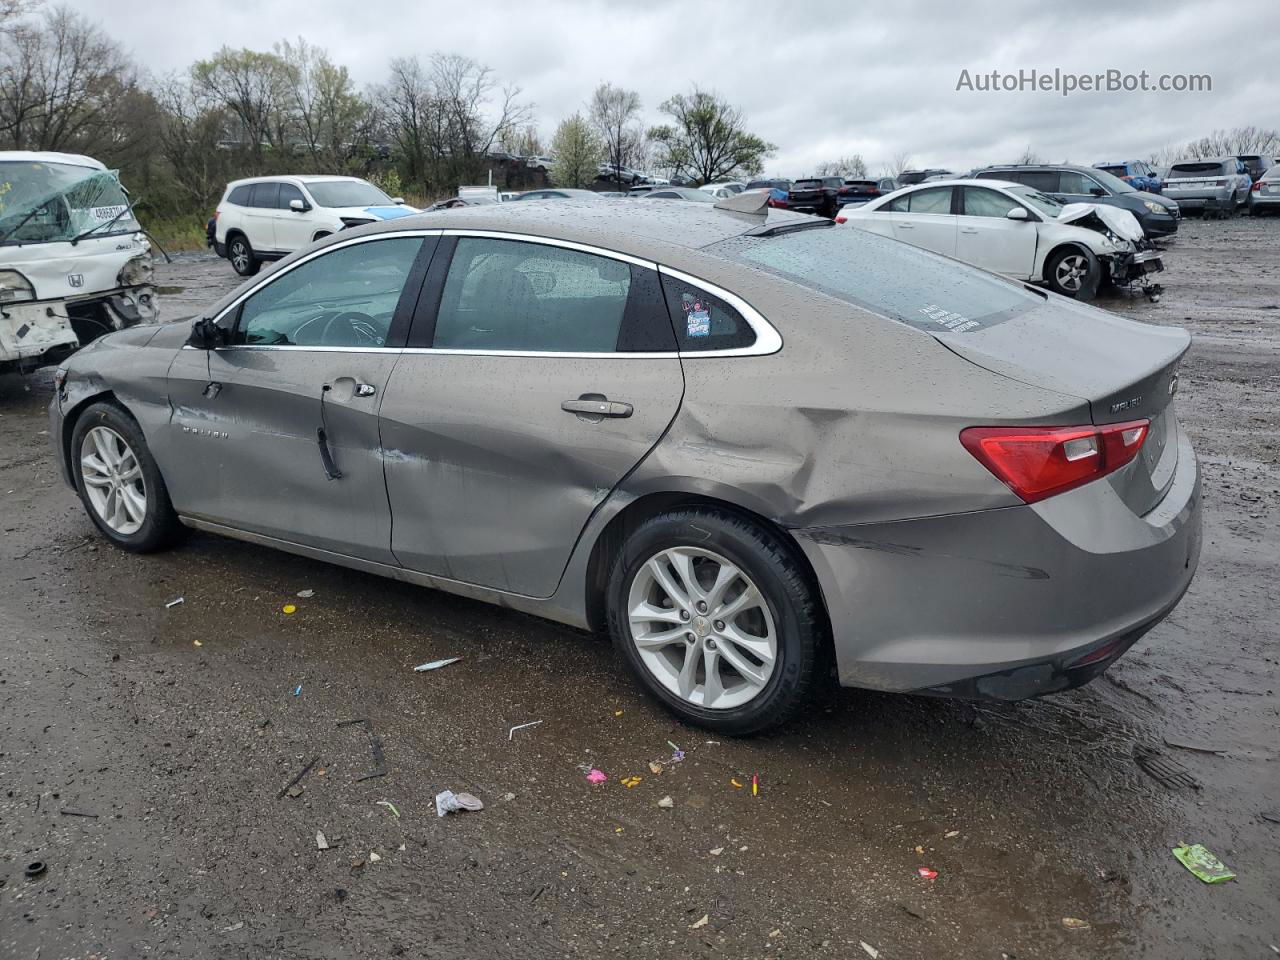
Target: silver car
1217, 183
1265, 197
749, 448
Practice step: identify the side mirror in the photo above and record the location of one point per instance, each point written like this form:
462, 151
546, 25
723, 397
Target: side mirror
1098, 192
297, 206
397, 200
207, 335
1018, 213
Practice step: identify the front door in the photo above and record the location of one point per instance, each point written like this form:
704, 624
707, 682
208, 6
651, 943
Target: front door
987, 238
281, 427
550, 373
293, 227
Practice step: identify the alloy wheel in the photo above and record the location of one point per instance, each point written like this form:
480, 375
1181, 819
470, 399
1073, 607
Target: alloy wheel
239, 256
1071, 272
113, 480
702, 627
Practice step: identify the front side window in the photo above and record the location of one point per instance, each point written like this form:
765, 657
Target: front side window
289, 193
343, 298
979, 202
933, 200
513, 295
1077, 184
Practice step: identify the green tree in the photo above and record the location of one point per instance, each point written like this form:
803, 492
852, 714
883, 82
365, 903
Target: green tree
577, 151
707, 139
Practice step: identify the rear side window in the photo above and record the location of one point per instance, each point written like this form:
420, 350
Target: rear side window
933, 200
240, 195
904, 283
264, 195
704, 322
512, 295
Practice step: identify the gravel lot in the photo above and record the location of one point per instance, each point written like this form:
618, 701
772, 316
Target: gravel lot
177, 728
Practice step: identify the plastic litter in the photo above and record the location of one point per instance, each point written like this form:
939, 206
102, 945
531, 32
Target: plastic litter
655, 767
596, 776
735, 783
449, 802
390, 806
630, 782
174, 603
321, 842
666, 803
373, 857
716, 851
951, 833
238, 925
306, 594
521, 726
1075, 923
289, 608
699, 924
867, 948
1203, 863
297, 691
755, 785
924, 873
435, 664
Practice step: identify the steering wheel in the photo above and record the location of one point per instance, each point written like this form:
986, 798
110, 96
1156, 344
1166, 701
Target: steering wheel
354, 329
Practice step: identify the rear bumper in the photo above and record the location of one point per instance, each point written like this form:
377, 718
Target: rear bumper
1005, 603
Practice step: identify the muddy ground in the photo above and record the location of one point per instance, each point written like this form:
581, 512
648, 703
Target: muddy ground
176, 729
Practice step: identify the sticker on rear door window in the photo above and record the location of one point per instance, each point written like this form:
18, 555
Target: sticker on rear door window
697, 317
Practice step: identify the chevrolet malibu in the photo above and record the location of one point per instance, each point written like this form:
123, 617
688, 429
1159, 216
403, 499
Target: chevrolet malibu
750, 446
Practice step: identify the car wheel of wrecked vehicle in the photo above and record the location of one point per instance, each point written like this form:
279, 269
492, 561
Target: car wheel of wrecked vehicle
1073, 272
119, 482
716, 618
243, 260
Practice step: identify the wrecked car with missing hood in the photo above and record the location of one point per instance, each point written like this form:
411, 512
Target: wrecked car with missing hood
74, 262
749, 445
1018, 231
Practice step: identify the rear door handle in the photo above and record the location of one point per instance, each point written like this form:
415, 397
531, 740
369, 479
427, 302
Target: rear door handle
597, 406
968, 230
905, 226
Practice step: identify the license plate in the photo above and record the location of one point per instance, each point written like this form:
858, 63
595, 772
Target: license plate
103, 214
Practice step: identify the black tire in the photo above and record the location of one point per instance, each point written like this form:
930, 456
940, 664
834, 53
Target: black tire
240, 252
1083, 287
791, 598
160, 526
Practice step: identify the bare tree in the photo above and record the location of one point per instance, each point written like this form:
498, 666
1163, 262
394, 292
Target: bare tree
1027, 156
577, 150
327, 108
896, 164
708, 139
1234, 142
850, 166
188, 136
613, 112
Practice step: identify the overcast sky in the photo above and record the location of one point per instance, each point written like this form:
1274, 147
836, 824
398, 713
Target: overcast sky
818, 79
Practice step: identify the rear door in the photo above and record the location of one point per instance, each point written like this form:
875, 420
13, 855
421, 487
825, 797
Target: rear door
538, 374
259, 218
987, 238
928, 221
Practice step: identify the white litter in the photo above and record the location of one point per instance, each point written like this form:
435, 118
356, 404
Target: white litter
521, 726
435, 665
321, 842
872, 952
306, 594
373, 857
697, 924
174, 603
666, 803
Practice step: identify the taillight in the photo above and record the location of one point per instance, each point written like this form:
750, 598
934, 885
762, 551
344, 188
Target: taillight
1040, 462
842, 219
1257, 187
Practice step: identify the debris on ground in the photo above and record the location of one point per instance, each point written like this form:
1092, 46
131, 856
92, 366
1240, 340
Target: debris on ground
1203, 863
735, 783
1195, 747
867, 948
289, 608
449, 802
435, 664
173, 603
373, 857
716, 851
390, 806
321, 842
655, 767
72, 812
596, 776
521, 726
306, 594
296, 791
617, 713
924, 873
238, 925
375, 745
630, 782
951, 833
700, 923
35, 868
666, 803
755, 785
1164, 769
1075, 923
300, 774
297, 691
508, 796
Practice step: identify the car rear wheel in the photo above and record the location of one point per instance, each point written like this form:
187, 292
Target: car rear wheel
1073, 272
243, 260
717, 619
119, 482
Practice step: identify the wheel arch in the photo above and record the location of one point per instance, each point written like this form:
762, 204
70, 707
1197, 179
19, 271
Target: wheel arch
71, 416
651, 504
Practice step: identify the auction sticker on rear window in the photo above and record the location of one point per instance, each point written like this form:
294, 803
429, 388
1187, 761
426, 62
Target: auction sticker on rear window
954, 322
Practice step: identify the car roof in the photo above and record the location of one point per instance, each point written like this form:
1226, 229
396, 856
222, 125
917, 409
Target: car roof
960, 182
296, 177
1037, 166
1231, 159
46, 156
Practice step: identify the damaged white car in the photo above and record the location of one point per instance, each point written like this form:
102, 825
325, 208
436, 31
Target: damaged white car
1015, 230
74, 262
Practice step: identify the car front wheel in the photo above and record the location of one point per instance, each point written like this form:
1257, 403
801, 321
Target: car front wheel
717, 619
119, 482
1073, 272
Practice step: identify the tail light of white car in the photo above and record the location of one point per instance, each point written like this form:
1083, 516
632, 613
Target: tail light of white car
1040, 462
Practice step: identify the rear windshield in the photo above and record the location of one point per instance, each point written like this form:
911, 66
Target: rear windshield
1196, 170
1116, 171
808, 184
904, 283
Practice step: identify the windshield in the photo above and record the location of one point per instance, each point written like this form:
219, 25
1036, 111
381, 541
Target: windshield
1112, 183
1041, 201
904, 283
57, 202
347, 193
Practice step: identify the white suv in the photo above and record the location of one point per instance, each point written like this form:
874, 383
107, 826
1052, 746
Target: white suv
266, 218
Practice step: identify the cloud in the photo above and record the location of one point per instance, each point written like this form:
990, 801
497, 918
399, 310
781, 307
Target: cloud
819, 79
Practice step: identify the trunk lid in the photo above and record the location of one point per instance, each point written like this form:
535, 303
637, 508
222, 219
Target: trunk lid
1125, 370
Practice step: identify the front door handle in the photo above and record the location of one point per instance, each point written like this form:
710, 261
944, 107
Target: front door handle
365, 389
592, 406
